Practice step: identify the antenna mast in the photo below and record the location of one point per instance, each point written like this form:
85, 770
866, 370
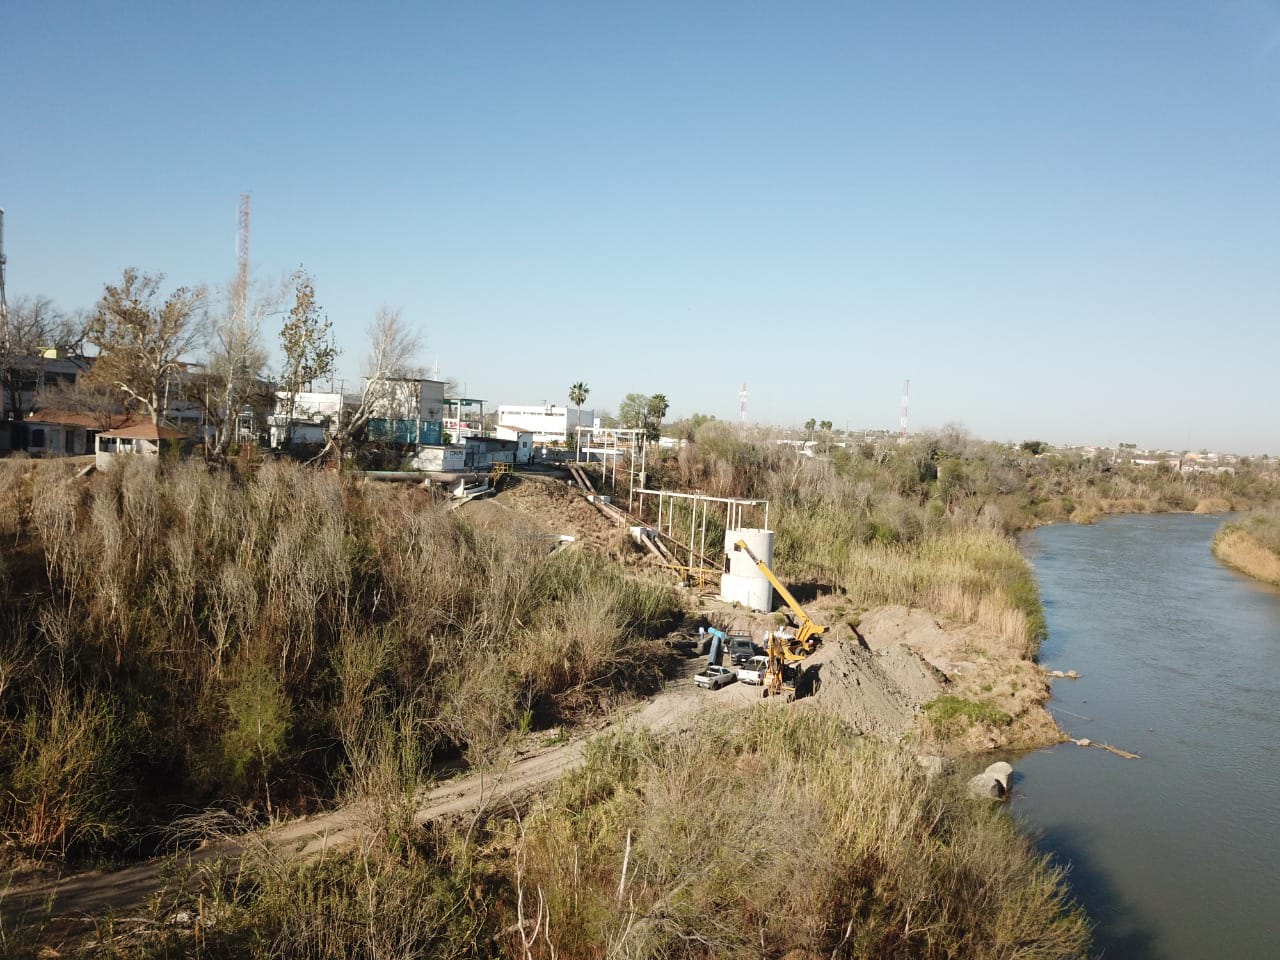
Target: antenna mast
742, 405
902, 426
4, 304
242, 258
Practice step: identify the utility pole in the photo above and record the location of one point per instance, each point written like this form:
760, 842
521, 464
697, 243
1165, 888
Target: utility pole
242, 302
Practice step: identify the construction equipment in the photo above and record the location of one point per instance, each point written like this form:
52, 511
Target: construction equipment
500, 474
808, 633
783, 669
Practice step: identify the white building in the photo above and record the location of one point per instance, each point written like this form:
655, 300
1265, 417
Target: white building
548, 422
313, 413
523, 440
407, 399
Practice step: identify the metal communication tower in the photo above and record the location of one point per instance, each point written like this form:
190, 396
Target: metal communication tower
902, 426
742, 404
242, 258
4, 304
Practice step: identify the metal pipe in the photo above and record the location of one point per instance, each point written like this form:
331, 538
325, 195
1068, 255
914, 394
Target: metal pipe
693, 518
702, 550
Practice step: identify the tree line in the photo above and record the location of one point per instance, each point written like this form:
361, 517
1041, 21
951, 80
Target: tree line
145, 339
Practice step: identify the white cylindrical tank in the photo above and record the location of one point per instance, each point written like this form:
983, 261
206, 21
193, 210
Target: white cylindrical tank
745, 583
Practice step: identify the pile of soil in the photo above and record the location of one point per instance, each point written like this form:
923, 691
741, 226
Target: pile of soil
878, 693
551, 506
980, 669
887, 627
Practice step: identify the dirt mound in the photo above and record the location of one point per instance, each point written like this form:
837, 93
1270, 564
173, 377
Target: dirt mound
886, 627
551, 506
979, 669
879, 693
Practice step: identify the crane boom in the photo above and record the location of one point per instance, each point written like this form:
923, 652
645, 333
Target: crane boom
807, 632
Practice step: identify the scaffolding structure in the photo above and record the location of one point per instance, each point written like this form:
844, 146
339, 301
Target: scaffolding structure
613, 445
701, 506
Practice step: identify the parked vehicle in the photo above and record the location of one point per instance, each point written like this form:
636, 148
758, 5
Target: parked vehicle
714, 677
753, 670
741, 649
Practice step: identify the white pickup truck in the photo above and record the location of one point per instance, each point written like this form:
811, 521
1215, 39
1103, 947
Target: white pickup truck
714, 677
753, 670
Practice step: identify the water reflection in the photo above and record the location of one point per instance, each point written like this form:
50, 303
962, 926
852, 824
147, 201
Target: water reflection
1119, 929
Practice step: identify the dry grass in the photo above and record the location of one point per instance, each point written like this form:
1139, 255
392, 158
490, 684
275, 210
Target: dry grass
1214, 505
972, 576
787, 834
1241, 550
250, 631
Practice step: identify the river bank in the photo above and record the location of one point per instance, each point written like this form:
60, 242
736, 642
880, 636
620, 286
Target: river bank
1242, 551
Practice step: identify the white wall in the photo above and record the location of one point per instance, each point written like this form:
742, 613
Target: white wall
548, 422
523, 439
440, 459
408, 399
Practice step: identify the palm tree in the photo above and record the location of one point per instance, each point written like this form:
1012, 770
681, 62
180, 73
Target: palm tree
578, 396
655, 410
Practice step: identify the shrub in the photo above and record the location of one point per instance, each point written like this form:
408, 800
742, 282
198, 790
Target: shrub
65, 784
951, 716
223, 609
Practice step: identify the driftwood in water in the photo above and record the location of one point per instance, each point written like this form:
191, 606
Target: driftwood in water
1086, 742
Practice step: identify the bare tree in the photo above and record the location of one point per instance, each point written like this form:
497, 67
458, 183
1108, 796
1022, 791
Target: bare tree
393, 345
307, 342
235, 358
141, 339
98, 401
36, 328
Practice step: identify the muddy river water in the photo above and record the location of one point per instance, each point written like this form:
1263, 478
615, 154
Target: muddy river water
1176, 855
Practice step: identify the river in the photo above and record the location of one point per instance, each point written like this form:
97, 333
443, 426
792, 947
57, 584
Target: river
1176, 855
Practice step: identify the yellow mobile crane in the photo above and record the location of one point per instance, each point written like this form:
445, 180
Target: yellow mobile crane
808, 633
785, 652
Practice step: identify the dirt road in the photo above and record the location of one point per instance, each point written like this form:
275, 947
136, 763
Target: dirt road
126, 891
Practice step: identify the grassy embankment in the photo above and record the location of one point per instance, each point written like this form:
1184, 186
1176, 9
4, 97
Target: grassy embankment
1252, 545
784, 835
204, 638
273, 640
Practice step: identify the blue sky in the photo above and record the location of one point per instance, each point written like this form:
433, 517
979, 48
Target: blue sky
1060, 221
